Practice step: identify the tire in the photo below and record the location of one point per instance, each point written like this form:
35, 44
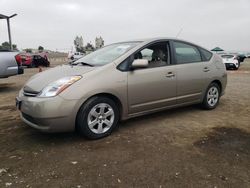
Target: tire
212, 97
31, 65
92, 123
237, 67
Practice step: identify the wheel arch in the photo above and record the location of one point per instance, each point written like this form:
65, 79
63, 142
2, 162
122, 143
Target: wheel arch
107, 95
218, 82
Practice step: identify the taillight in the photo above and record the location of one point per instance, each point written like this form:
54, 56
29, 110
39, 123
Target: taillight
18, 58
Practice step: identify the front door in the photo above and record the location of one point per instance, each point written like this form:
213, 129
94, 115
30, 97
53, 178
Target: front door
153, 87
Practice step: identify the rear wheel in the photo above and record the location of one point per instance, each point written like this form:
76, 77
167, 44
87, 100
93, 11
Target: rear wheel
48, 64
212, 96
31, 65
97, 118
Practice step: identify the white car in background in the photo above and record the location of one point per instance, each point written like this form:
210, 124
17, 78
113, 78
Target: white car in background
73, 56
230, 61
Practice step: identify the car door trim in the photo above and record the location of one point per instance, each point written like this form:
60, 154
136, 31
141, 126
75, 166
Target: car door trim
188, 95
153, 102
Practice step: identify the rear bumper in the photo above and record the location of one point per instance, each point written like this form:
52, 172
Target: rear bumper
230, 66
11, 71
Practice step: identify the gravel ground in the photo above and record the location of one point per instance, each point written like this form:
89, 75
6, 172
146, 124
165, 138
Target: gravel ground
185, 147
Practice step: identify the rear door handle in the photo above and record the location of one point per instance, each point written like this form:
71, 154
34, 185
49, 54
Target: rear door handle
206, 69
170, 75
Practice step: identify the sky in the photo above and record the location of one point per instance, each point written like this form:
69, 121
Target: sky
54, 24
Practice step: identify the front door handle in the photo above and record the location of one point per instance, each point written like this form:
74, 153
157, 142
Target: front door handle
206, 69
170, 75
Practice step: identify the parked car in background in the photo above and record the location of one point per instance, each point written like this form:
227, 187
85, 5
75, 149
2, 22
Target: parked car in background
231, 61
25, 59
10, 64
121, 81
241, 58
73, 56
32, 60
40, 60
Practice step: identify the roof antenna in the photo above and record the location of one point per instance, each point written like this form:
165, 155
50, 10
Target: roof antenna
179, 33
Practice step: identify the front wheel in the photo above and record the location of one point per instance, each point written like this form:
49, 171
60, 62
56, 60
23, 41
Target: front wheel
212, 97
97, 118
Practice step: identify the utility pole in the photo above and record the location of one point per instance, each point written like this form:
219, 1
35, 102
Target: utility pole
9, 33
8, 25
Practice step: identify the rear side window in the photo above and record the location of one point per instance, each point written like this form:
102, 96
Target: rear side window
186, 53
206, 54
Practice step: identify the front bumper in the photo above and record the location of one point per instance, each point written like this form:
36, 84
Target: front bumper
54, 114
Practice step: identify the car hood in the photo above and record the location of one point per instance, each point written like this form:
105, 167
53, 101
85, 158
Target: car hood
37, 82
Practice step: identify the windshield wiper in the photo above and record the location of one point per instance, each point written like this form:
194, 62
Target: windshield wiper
83, 63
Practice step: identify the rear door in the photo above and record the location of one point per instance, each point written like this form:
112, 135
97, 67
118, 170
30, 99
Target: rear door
189, 72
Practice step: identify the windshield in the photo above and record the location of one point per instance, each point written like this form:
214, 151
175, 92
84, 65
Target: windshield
106, 54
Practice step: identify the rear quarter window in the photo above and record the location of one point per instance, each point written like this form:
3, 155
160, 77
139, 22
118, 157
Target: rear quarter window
206, 54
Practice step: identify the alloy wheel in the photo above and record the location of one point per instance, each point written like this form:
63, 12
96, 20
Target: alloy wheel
101, 118
212, 96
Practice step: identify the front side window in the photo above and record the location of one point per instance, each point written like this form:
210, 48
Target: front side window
186, 53
107, 54
157, 54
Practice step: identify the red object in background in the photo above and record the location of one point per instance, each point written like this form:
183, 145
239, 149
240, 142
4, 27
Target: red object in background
34, 60
24, 60
18, 59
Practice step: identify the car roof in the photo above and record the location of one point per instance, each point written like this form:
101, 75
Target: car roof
149, 39
156, 39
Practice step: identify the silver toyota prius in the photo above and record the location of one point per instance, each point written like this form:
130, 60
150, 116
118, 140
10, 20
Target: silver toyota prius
121, 81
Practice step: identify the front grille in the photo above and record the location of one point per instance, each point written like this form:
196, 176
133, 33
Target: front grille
29, 94
29, 118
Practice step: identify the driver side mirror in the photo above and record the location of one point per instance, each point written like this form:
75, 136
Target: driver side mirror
139, 63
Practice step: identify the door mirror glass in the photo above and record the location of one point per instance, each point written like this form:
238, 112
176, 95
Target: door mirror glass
140, 63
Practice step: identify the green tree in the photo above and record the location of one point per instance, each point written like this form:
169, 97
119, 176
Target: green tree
14, 46
6, 46
40, 48
28, 50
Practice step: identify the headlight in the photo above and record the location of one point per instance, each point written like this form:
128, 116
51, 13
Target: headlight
58, 86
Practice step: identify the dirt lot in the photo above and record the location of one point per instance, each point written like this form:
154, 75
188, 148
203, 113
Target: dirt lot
186, 147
